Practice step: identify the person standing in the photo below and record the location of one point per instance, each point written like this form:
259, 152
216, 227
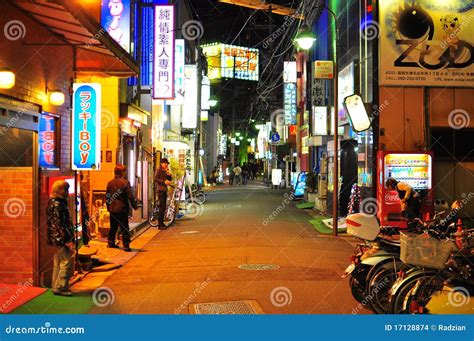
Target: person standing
61, 236
231, 174
85, 218
118, 199
162, 180
238, 174
245, 173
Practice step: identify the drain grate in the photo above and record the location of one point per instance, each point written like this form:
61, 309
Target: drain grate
247, 307
259, 267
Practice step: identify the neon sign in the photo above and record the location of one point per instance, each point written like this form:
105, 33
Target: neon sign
163, 72
86, 127
47, 141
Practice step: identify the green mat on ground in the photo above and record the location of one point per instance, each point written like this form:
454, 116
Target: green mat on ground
48, 303
304, 205
319, 225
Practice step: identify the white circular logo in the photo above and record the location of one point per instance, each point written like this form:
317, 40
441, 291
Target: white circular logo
458, 297
192, 30
14, 30
370, 30
194, 210
459, 119
277, 118
103, 297
14, 208
369, 206
281, 296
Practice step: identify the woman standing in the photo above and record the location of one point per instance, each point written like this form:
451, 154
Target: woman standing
61, 236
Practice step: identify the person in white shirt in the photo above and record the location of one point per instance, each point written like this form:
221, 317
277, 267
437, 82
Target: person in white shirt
238, 174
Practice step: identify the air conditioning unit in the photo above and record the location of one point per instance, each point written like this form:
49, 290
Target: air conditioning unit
322, 185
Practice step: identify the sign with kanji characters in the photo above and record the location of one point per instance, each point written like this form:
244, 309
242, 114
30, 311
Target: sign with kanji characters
222, 57
318, 92
423, 44
163, 59
289, 72
323, 69
289, 102
86, 126
47, 141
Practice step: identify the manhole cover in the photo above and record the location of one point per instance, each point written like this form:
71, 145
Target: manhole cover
247, 307
259, 267
189, 232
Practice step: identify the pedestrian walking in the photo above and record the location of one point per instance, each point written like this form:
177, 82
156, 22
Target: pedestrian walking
245, 173
61, 236
238, 174
119, 197
162, 180
231, 175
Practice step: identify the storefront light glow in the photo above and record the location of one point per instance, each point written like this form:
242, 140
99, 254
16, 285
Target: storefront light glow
237, 143
232, 140
7, 79
55, 97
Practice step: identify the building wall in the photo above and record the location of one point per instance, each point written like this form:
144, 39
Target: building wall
36, 67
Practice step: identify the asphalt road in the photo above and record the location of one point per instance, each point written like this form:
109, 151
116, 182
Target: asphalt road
197, 260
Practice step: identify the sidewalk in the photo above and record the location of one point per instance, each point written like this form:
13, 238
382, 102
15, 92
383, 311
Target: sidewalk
84, 284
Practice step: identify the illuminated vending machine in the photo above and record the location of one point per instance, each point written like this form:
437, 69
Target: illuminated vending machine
414, 169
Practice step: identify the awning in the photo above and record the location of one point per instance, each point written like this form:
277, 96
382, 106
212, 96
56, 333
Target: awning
96, 52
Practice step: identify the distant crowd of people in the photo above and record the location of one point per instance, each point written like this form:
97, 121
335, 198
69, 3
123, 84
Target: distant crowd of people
241, 175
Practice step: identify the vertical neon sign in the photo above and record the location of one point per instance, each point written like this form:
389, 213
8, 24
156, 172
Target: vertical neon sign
47, 141
86, 127
163, 55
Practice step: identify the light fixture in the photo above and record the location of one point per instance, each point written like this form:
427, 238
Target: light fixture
241, 138
248, 140
55, 97
212, 102
237, 143
201, 152
232, 140
237, 134
305, 38
7, 79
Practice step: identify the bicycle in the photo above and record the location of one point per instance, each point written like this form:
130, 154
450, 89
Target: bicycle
170, 212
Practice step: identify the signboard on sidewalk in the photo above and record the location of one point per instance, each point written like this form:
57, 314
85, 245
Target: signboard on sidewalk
86, 126
426, 45
163, 58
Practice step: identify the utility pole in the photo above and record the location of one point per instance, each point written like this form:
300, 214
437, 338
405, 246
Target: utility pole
232, 149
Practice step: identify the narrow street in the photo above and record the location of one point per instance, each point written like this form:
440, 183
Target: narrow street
197, 260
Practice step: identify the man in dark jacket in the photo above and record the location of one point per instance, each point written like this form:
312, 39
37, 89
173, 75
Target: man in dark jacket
61, 236
162, 180
118, 199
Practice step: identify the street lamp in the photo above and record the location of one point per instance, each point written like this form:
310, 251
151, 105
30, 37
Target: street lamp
212, 102
305, 39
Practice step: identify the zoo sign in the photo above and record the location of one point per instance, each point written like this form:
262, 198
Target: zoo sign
86, 129
425, 43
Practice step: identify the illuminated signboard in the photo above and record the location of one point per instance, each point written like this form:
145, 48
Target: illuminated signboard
346, 87
220, 60
289, 72
47, 141
115, 18
289, 98
86, 111
178, 73
163, 55
189, 120
205, 93
320, 120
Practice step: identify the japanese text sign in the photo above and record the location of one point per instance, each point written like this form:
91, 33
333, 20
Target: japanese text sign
86, 126
47, 141
163, 59
289, 97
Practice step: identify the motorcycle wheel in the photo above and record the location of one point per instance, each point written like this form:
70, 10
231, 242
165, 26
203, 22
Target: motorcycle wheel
413, 295
153, 218
379, 281
200, 198
357, 282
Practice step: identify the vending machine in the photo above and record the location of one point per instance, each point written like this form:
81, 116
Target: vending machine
415, 169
